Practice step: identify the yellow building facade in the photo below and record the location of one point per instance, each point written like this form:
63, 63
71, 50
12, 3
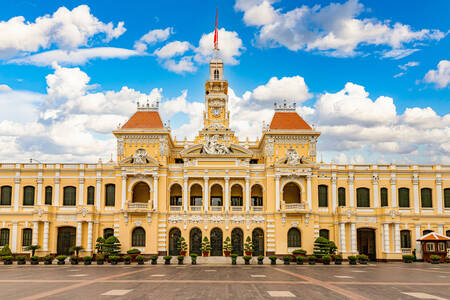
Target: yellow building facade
272, 190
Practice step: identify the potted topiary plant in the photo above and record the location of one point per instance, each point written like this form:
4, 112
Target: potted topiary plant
180, 259
227, 247
127, 259
154, 259
99, 244
133, 253
140, 259
32, 248
260, 259
74, 260
273, 259
193, 258
61, 259
5, 251
76, 249
21, 260
352, 260
435, 259
247, 259
362, 258
100, 258
287, 259
298, 252
48, 259
7, 259
312, 260
248, 246
326, 259
111, 246
87, 260
206, 246
233, 258
300, 259
182, 246
34, 260
113, 259
408, 258
167, 259
338, 259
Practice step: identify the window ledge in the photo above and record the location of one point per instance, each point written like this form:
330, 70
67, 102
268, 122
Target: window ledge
324, 209
68, 208
367, 209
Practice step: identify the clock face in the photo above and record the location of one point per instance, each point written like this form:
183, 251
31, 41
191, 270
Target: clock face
216, 112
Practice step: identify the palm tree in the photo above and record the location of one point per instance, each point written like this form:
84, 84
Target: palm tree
32, 248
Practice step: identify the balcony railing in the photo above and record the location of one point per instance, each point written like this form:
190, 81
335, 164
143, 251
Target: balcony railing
294, 206
257, 208
139, 205
175, 208
196, 208
216, 208
236, 208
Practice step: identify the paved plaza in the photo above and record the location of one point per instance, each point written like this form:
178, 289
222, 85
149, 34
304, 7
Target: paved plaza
374, 281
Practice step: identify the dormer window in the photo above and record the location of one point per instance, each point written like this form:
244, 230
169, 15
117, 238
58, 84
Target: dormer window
216, 74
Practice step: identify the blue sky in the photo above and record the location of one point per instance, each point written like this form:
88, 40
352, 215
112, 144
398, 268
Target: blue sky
372, 67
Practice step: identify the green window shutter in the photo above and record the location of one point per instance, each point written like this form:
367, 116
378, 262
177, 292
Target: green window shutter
427, 201
110, 195
341, 196
294, 238
362, 197
28, 195
384, 197
90, 195
4, 236
323, 196
48, 195
5, 197
27, 237
403, 197
69, 197
325, 233
138, 237
447, 198
405, 239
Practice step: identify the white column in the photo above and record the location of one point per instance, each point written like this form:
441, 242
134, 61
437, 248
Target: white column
308, 191
14, 238
376, 200
16, 193
80, 191
185, 193
89, 241
386, 238
353, 235
35, 233
45, 246
155, 192
79, 232
397, 237
227, 194
333, 192
416, 193
206, 194
441, 229
351, 190
277, 192
124, 190
98, 193
56, 202
342, 239
247, 194
39, 191
394, 191
439, 193
419, 253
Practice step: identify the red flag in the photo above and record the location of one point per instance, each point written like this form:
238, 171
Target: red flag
216, 35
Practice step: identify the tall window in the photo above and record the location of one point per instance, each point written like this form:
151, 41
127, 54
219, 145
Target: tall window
384, 197
216, 74
447, 233
363, 197
176, 198
405, 239
27, 237
257, 195
110, 195
5, 195
341, 196
28, 195
294, 238
138, 237
4, 236
447, 198
403, 197
90, 195
48, 195
323, 195
107, 232
69, 196
425, 195
325, 233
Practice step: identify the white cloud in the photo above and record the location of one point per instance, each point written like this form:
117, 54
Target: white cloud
441, 76
333, 30
172, 49
408, 65
152, 37
184, 64
4, 88
67, 29
287, 88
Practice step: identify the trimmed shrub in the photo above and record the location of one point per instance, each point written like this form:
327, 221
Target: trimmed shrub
140, 259
352, 260
273, 259
299, 252
300, 259
312, 259
326, 259
134, 251
408, 258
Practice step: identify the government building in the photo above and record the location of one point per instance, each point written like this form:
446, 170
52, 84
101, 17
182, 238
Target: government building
273, 190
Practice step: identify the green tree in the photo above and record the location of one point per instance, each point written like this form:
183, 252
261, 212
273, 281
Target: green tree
321, 247
206, 246
100, 244
227, 246
32, 248
181, 244
76, 249
248, 245
5, 251
111, 246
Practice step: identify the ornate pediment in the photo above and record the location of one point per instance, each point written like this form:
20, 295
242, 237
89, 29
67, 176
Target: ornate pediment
140, 157
201, 150
292, 158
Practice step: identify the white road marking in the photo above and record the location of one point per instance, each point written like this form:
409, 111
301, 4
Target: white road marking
342, 276
258, 276
116, 292
78, 275
210, 270
281, 294
423, 296
158, 275
358, 271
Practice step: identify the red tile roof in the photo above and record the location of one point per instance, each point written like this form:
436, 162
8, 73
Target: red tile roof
144, 120
288, 121
433, 236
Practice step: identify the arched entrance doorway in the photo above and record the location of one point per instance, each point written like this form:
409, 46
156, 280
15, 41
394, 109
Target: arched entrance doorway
258, 242
237, 241
195, 241
291, 193
66, 239
174, 236
366, 242
141, 193
216, 242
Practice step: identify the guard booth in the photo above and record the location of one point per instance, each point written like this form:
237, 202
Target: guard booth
435, 244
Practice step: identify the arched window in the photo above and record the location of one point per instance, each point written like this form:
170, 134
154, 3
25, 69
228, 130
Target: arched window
341, 196
405, 239
325, 233
291, 193
323, 195
236, 195
196, 195
362, 197
110, 195
175, 195
403, 197
27, 237
447, 198
5, 196
90, 195
294, 238
4, 236
384, 197
138, 237
69, 196
28, 195
257, 195
107, 232
216, 74
425, 195
48, 195
216, 195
